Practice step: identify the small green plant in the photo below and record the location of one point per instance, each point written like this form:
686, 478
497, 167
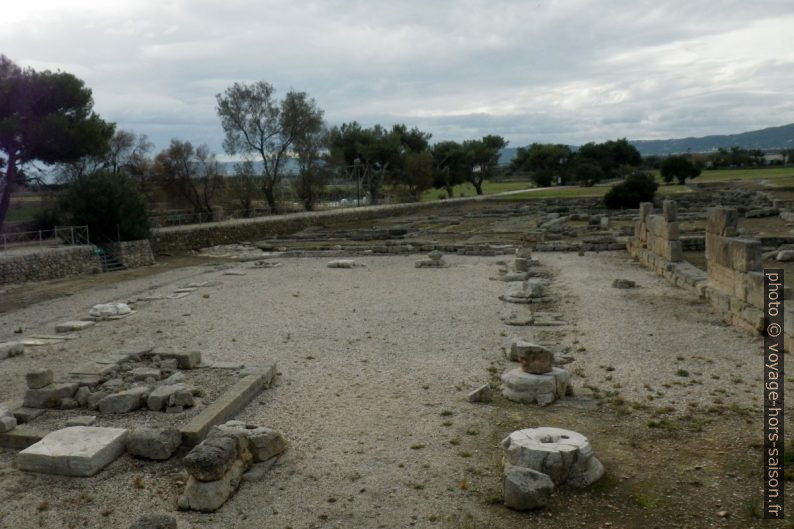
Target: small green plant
446, 413
682, 373
494, 500
417, 446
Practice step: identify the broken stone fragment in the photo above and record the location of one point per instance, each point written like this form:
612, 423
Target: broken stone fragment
210, 459
153, 443
623, 283
81, 396
344, 263
264, 443
108, 310
521, 264
525, 489
435, 255
209, 496
160, 396
534, 358
82, 420
7, 420
142, 373
9, 349
124, 401
154, 521
38, 378
49, 396
481, 394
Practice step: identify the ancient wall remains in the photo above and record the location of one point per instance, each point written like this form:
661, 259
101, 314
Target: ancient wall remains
133, 254
38, 264
734, 282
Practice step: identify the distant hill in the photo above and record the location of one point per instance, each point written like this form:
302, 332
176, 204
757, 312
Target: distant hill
765, 139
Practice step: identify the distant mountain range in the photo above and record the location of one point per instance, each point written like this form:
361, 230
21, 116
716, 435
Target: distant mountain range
771, 138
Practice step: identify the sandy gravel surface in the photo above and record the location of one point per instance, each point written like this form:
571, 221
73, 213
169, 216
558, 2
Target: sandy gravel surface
374, 363
654, 341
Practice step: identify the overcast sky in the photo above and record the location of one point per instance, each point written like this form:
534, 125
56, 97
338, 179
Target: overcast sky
566, 71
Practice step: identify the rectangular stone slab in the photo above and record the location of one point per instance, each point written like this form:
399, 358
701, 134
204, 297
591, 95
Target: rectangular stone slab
69, 326
224, 408
21, 437
74, 451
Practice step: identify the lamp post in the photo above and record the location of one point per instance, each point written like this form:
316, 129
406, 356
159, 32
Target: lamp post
357, 169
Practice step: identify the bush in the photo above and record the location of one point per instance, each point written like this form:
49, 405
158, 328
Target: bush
109, 204
588, 173
638, 187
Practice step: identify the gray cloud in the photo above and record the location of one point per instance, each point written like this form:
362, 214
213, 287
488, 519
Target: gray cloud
570, 72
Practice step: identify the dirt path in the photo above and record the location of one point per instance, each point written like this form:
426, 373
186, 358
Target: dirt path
375, 363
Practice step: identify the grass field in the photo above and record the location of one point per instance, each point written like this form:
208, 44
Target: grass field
466, 189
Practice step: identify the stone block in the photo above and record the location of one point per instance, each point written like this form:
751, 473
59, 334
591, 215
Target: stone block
745, 254
82, 420
753, 317
481, 394
154, 521
525, 489
529, 388
185, 359
722, 221
49, 396
124, 401
74, 451
71, 326
210, 496
38, 378
153, 443
26, 415
263, 443
160, 396
9, 349
646, 208
670, 210
722, 277
21, 437
142, 373
210, 459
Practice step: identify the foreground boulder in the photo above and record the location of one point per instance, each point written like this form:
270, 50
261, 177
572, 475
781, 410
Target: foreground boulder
153, 443
524, 489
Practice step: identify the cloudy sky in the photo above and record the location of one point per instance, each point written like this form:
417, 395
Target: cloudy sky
567, 71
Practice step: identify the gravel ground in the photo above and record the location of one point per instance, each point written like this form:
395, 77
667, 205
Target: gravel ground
374, 363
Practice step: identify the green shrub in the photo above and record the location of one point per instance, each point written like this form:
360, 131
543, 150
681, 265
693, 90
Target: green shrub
638, 187
109, 204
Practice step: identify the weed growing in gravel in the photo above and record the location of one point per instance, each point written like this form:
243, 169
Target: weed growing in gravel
417, 446
494, 500
446, 413
682, 373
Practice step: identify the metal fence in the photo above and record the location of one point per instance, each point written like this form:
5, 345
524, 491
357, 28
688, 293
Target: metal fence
56, 236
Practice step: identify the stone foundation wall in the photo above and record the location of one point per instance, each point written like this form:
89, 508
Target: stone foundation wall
734, 283
38, 264
133, 254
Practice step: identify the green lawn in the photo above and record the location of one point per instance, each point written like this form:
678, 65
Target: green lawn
578, 191
775, 175
488, 188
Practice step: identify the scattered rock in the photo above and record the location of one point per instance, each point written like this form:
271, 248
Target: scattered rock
38, 378
530, 388
154, 521
82, 420
7, 420
124, 401
9, 349
49, 396
344, 263
71, 326
623, 283
525, 489
212, 458
153, 443
785, 256
264, 443
104, 311
481, 394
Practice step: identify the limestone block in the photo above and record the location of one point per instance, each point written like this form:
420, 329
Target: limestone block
211, 495
263, 443
9, 349
212, 458
722, 221
431, 263
525, 489
142, 373
722, 277
71, 326
521, 264
185, 359
753, 317
74, 451
670, 210
565, 456
160, 396
38, 378
153, 443
745, 254
481, 394
646, 208
82, 420
534, 358
784, 256
7, 420
124, 401
49, 396
344, 263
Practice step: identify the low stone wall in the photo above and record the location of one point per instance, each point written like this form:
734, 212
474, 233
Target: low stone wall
133, 254
38, 264
734, 282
